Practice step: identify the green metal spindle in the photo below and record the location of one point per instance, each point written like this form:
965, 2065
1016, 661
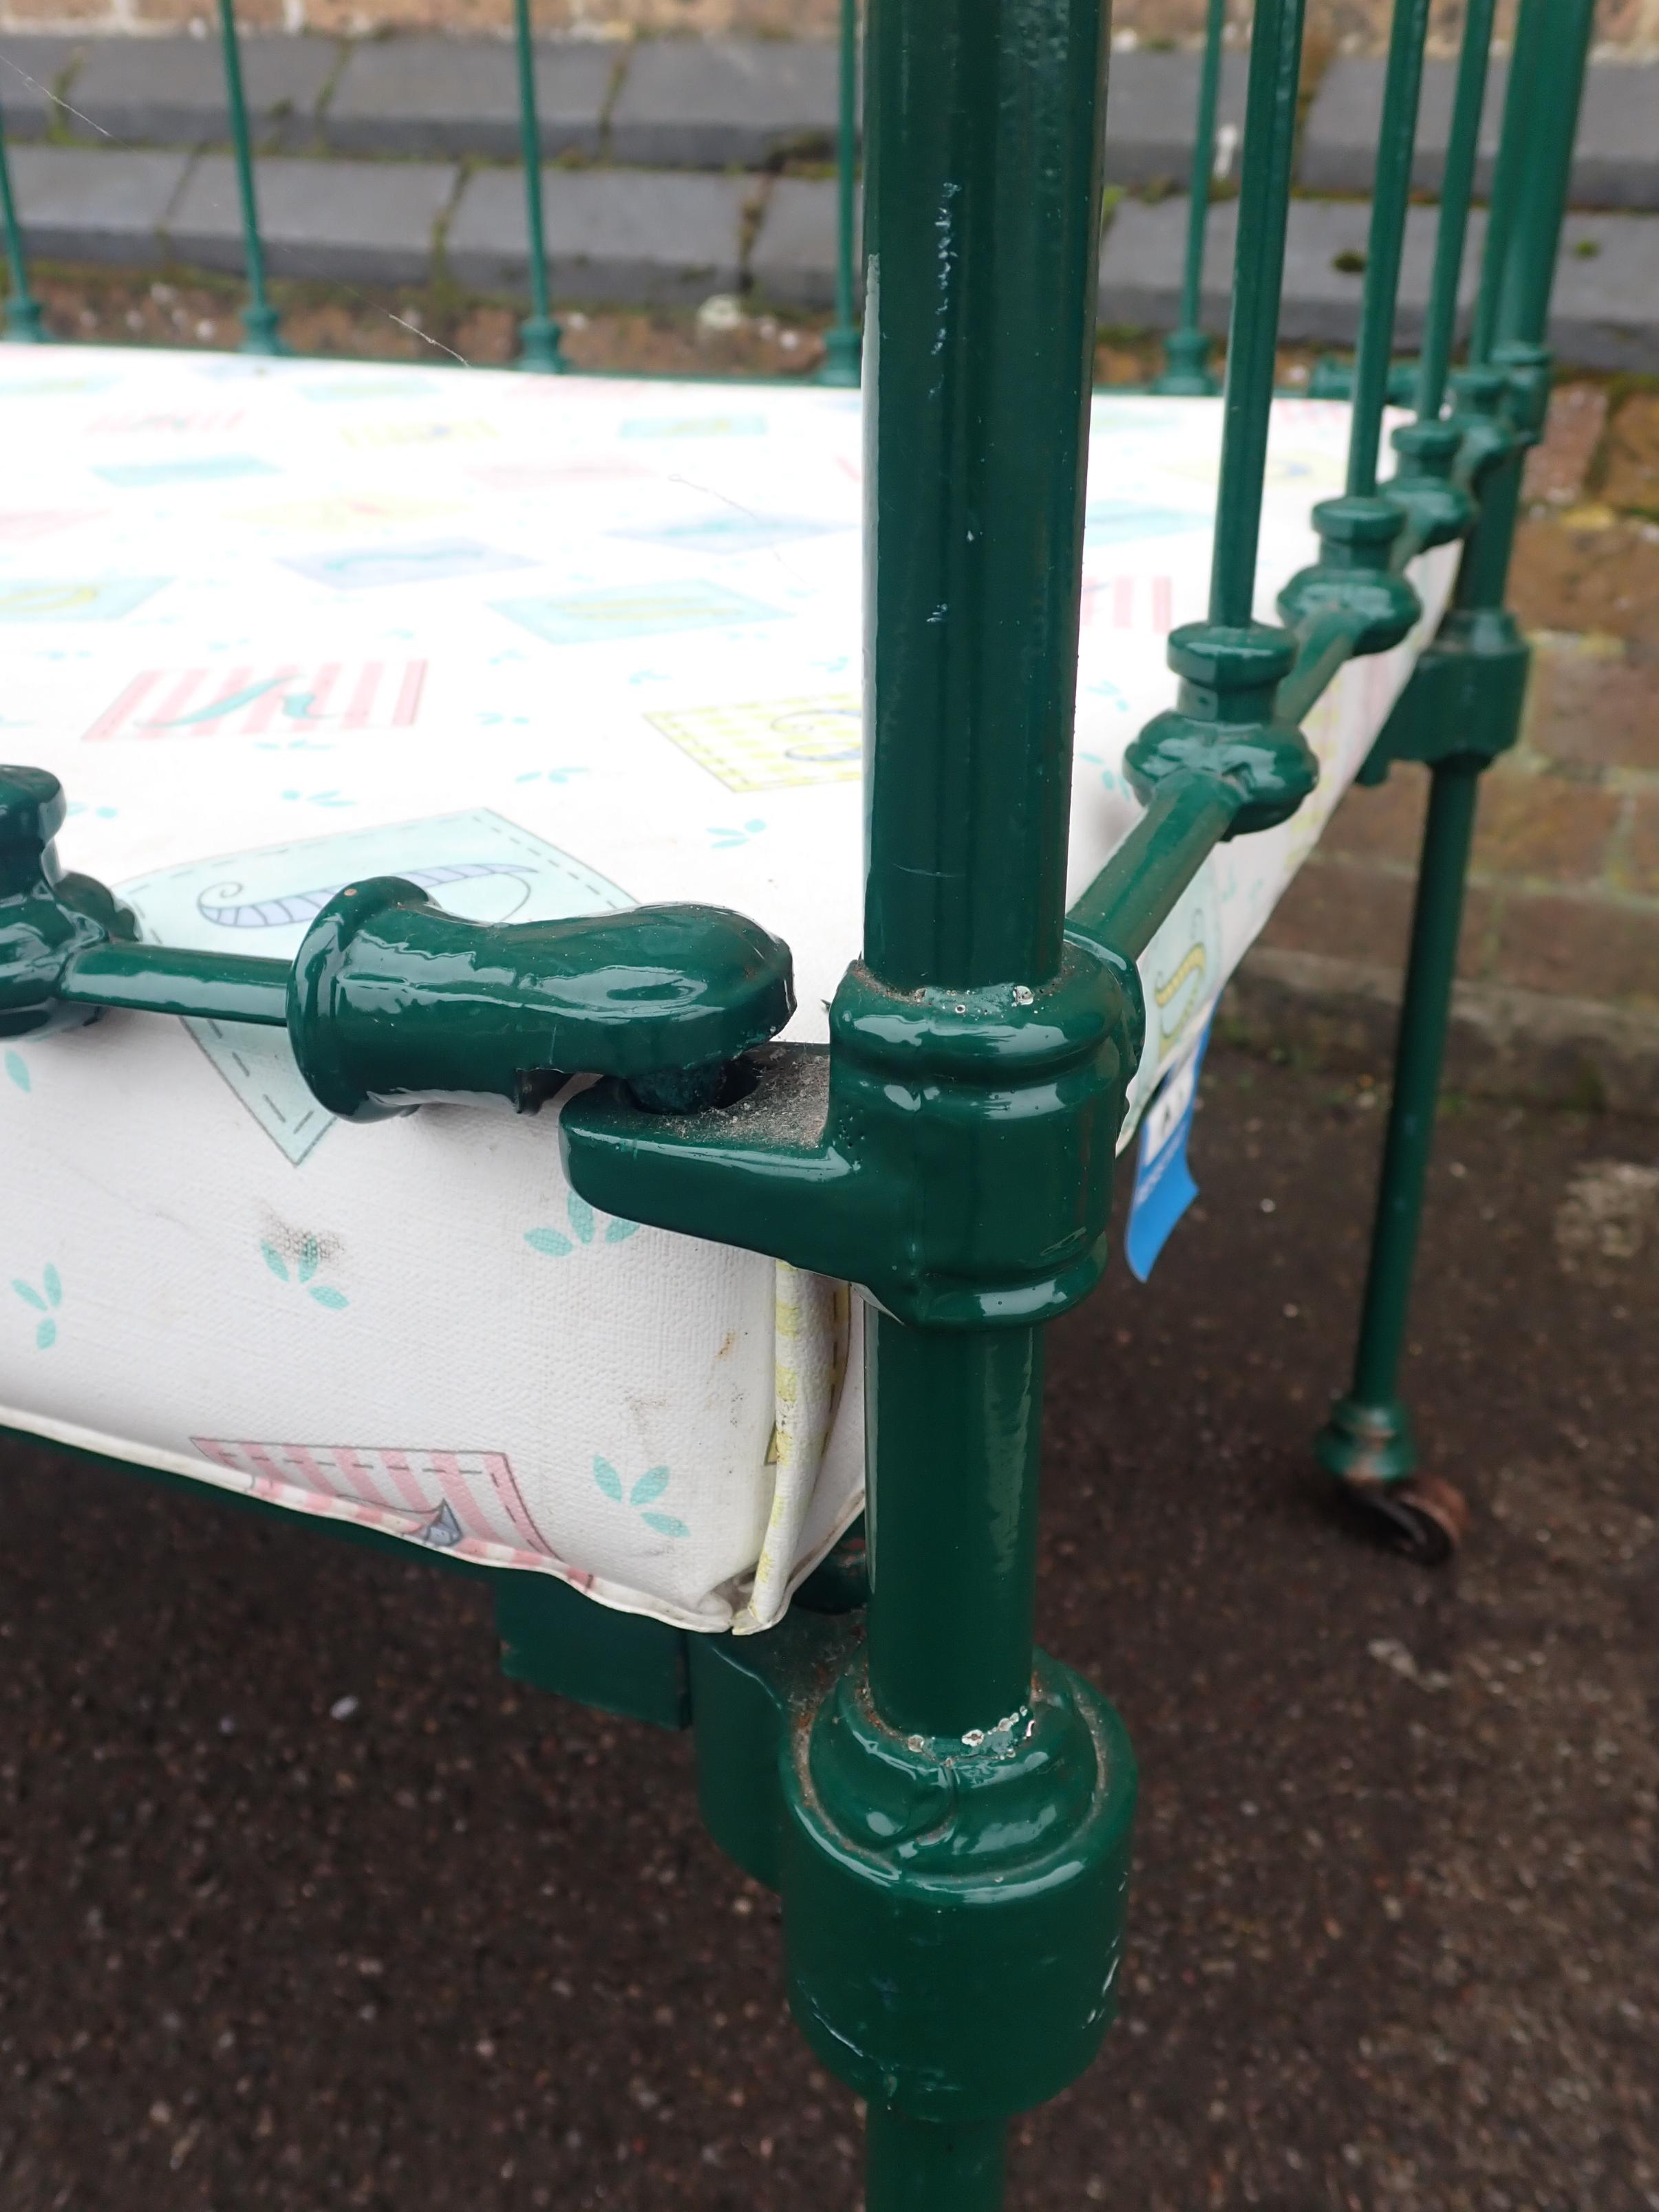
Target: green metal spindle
1186, 372
1356, 580
1264, 202
1440, 509
1227, 723
1555, 68
23, 324
1514, 156
538, 335
1390, 199
842, 342
1456, 193
260, 331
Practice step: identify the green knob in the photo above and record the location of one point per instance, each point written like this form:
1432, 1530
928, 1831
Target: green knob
46, 917
391, 1002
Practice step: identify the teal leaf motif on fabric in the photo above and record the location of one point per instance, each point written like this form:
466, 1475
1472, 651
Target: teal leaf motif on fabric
607, 1479
649, 1488
42, 1302
584, 1228
305, 1266
17, 1069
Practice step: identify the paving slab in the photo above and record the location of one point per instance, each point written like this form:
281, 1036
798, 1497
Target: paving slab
171, 92
1324, 267
792, 257
439, 96
1152, 113
31, 71
370, 223
719, 103
1605, 312
1616, 165
78, 205
645, 237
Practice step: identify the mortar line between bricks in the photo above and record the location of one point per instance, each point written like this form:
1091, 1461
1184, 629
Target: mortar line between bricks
343, 50
613, 93
163, 226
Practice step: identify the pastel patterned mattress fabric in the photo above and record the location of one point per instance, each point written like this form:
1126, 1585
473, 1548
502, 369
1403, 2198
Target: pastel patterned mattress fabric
547, 646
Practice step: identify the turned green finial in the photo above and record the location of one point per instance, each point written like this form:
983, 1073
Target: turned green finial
1439, 509
1226, 723
1352, 576
46, 917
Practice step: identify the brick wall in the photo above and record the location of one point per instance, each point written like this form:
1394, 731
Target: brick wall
1559, 995
1333, 24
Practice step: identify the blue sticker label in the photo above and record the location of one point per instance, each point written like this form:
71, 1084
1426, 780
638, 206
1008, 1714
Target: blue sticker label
1164, 1184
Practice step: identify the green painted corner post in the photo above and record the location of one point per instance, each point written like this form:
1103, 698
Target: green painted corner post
261, 332
983, 184
23, 323
843, 344
1187, 370
1461, 709
539, 337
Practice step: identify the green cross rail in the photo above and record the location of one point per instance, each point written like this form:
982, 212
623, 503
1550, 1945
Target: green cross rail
946, 1810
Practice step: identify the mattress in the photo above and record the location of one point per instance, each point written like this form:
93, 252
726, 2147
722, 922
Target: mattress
547, 647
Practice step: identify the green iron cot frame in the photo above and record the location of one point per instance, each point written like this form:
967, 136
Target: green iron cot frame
946, 1810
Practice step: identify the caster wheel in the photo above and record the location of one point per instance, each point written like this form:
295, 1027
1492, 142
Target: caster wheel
1426, 1519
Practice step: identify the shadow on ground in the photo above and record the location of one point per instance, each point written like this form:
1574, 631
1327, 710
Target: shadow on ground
305, 1908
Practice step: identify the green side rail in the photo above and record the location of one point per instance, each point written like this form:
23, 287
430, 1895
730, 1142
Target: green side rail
23, 324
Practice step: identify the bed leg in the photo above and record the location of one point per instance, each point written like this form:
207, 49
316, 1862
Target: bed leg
918, 2166
1367, 1443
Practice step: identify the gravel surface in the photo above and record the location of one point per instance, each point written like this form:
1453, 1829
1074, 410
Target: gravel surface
305, 1908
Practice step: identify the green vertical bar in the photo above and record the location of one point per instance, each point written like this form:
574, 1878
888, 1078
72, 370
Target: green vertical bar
1264, 202
23, 325
1187, 353
1554, 59
1419, 1053
538, 335
918, 2166
1514, 156
842, 343
983, 208
1390, 199
259, 318
1456, 192
955, 1420
984, 230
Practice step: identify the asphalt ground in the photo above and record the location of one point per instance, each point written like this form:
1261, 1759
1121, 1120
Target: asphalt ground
304, 1907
